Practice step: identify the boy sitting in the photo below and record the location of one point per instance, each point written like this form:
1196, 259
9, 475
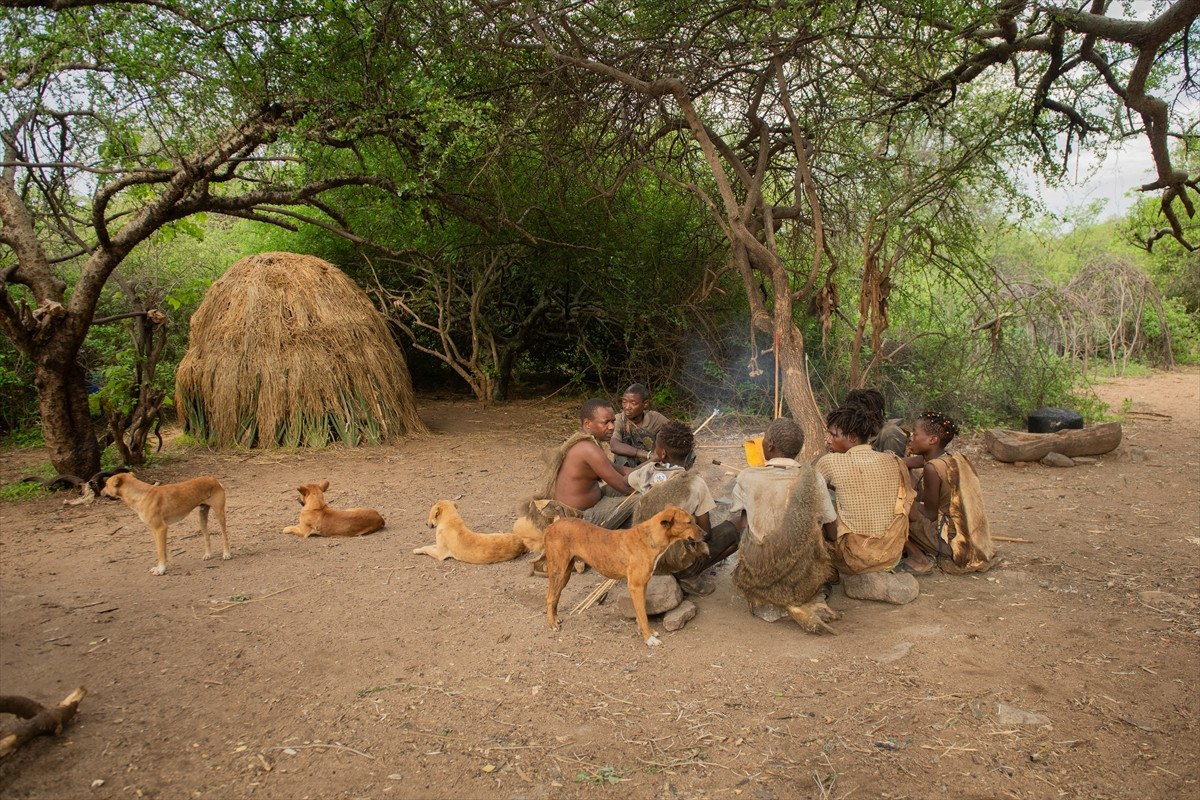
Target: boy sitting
664, 481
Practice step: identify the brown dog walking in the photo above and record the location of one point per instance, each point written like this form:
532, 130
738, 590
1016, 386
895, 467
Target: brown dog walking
630, 554
162, 506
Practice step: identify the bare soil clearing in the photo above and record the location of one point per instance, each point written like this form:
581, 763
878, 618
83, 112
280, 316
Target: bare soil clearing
354, 669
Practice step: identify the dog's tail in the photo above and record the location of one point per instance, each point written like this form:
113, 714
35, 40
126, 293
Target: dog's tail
533, 537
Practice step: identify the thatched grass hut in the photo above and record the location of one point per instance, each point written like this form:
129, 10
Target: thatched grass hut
287, 350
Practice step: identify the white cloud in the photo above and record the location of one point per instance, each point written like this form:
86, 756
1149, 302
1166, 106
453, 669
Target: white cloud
1113, 180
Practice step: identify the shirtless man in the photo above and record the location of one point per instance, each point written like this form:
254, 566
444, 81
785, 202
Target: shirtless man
585, 466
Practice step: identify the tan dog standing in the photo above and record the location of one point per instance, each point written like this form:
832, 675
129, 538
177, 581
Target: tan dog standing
455, 540
630, 554
161, 506
317, 518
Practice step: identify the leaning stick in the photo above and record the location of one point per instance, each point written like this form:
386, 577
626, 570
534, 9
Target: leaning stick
1012, 539
733, 470
705, 423
777, 414
594, 597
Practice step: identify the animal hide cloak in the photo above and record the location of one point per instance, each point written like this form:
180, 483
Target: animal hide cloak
676, 491
965, 526
541, 509
789, 565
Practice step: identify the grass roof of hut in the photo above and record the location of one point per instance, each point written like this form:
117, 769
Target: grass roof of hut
287, 350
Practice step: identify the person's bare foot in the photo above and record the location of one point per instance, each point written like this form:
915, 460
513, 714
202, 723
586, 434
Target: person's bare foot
915, 566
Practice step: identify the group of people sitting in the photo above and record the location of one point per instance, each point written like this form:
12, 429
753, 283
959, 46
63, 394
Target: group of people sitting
878, 501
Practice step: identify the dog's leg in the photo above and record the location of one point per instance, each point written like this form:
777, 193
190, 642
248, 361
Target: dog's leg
557, 576
219, 507
637, 593
441, 549
160, 545
434, 550
204, 531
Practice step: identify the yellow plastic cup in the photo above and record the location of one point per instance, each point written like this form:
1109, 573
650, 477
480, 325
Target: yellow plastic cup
754, 452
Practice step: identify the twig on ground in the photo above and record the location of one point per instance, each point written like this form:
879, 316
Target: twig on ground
334, 746
248, 602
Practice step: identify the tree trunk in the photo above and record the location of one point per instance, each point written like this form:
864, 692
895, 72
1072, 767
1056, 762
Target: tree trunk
798, 393
66, 423
504, 371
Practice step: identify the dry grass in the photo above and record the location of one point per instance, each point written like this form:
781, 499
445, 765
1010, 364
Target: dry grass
287, 350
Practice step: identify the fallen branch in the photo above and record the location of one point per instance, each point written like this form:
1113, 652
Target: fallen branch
39, 720
1012, 539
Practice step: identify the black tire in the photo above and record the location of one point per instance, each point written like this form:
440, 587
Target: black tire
1049, 420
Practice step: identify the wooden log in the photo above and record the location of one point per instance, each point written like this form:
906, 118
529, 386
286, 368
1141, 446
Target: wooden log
1010, 446
38, 719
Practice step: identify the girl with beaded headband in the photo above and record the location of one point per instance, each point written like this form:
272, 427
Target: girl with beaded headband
948, 522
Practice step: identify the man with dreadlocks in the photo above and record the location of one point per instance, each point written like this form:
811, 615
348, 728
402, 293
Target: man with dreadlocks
948, 522
873, 492
779, 509
891, 437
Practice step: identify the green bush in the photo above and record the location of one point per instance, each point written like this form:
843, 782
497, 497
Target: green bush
18, 400
980, 383
1184, 328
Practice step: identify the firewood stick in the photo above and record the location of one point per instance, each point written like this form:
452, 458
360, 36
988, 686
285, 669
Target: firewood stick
705, 423
729, 469
1012, 539
594, 597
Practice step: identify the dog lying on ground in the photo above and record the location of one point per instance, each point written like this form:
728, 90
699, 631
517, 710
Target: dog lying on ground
630, 554
455, 540
317, 518
161, 506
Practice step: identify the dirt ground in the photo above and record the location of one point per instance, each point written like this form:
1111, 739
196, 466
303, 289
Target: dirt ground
355, 669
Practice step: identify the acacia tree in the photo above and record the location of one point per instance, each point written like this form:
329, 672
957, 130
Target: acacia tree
766, 102
263, 110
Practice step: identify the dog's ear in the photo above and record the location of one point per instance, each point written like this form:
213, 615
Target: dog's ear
435, 512
303, 490
324, 486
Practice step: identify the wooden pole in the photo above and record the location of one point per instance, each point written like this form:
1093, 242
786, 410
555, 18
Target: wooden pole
777, 414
